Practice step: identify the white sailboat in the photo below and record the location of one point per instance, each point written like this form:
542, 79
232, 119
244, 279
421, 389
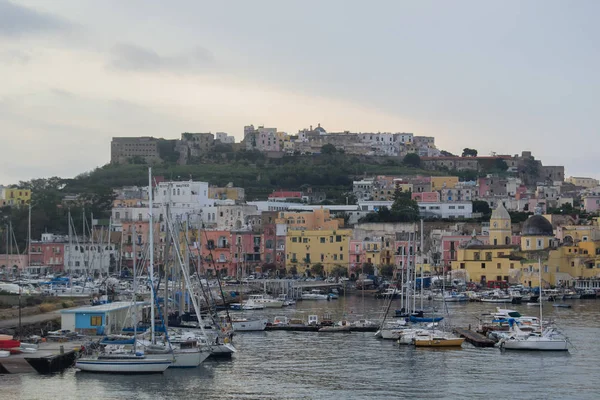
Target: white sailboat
548, 340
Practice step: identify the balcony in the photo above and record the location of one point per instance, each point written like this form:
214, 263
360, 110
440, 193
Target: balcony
223, 246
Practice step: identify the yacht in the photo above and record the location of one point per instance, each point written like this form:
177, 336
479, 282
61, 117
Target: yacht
266, 301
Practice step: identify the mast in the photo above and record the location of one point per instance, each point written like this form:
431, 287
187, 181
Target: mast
421, 264
70, 242
187, 263
151, 239
540, 275
134, 296
29, 238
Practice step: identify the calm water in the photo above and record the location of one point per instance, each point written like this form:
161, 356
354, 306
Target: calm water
302, 365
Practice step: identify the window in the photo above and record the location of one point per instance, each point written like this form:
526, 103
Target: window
476, 256
512, 265
527, 243
304, 240
488, 255
322, 240
341, 257
322, 257
462, 265
96, 320
335, 257
294, 240
482, 265
499, 265
539, 243
338, 238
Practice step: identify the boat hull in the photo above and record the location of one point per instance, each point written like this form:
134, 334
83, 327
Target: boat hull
145, 366
188, 358
439, 342
249, 325
536, 345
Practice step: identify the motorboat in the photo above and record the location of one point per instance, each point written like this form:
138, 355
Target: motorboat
265, 301
286, 302
364, 323
391, 330
408, 336
314, 295
389, 293
281, 321
246, 325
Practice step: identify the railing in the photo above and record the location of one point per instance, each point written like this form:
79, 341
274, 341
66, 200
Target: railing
223, 246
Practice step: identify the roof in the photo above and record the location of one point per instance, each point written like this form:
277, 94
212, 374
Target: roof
492, 247
103, 308
537, 225
500, 213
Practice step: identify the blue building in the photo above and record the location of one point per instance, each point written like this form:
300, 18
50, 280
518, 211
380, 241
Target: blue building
104, 319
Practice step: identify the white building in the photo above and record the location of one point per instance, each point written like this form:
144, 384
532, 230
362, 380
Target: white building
89, 258
224, 137
446, 210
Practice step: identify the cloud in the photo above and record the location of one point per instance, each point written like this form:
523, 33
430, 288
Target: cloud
16, 20
129, 57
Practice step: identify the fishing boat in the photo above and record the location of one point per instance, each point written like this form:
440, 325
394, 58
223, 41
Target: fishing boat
123, 364
280, 321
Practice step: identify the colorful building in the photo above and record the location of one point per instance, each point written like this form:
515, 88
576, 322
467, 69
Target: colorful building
309, 220
14, 197
304, 248
443, 182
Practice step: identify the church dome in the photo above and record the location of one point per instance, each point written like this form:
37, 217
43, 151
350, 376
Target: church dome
537, 225
500, 213
474, 242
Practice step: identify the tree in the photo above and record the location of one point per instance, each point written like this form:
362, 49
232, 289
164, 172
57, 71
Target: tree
387, 270
339, 271
404, 208
412, 160
293, 270
467, 152
446, 153
317, 269
328, 149
368, 269
480, 206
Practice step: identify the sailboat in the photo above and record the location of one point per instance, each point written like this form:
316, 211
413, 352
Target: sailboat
547, 340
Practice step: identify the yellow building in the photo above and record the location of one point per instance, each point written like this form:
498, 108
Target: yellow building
583, 181
14, 197
226, 193
443, 182
309, 220
481, 263
304, 248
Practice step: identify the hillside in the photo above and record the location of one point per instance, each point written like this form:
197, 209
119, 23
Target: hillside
332, 174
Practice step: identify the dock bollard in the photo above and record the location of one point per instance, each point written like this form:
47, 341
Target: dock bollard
62, 349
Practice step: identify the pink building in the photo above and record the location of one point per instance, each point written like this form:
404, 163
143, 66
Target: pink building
426, 197
215, 252
246, 249
357, 256
591, 203
48, 254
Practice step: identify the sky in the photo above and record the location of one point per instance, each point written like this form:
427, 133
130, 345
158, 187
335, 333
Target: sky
495, 76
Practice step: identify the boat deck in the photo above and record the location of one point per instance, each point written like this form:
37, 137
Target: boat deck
315, 328
476, 339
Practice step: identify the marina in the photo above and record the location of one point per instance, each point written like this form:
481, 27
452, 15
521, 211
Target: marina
293, 365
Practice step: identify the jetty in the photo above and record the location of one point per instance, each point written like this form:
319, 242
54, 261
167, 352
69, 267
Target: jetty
476, 339
51, 357
315, 328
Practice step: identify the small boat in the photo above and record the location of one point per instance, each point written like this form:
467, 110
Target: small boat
438, 340
4, 353
264, 300
247, 325
280, 321
314, 295
123, 364
364, 323
313, 320
561, 305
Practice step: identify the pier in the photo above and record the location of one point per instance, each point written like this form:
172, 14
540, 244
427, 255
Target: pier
48, 359
476, 339
315, 328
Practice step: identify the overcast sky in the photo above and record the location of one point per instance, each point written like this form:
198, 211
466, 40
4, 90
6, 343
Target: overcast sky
496, 76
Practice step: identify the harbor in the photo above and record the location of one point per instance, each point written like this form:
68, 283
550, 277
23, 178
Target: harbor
281, 364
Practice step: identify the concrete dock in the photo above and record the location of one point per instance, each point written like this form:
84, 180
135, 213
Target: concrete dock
48, 354
476, 339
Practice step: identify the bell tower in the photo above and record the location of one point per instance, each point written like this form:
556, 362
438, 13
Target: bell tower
500, 227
